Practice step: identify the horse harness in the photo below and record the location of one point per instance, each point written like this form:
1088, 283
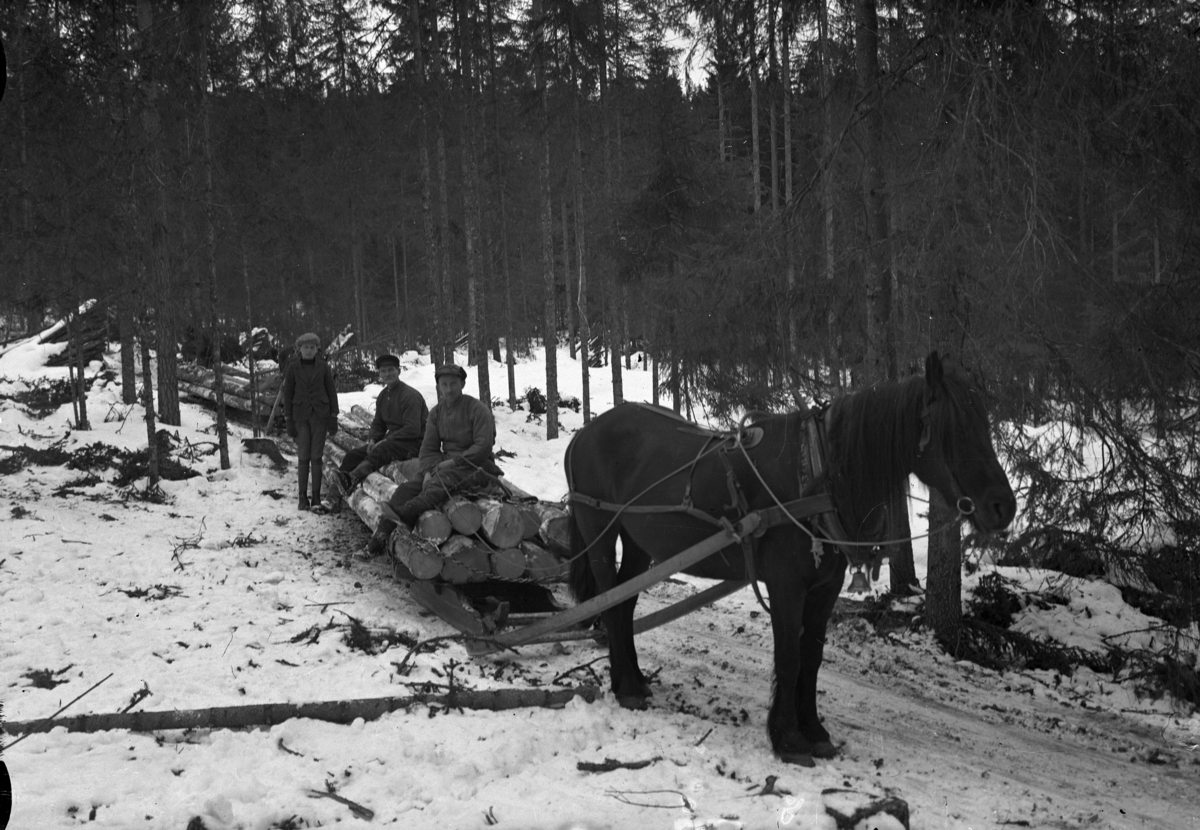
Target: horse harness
812, 504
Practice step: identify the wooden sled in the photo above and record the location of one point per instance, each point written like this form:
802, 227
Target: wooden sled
487, 631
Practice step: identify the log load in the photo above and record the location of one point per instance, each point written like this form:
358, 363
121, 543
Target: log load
500, 547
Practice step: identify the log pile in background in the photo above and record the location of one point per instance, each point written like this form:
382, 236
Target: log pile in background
200, 381
467, 539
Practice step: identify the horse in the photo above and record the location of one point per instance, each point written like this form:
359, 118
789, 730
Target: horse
660, 484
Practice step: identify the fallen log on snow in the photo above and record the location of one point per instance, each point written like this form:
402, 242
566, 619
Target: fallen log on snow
232, 401
333, 711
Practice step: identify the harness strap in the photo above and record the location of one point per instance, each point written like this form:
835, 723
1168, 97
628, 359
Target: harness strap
829, 522
737, 499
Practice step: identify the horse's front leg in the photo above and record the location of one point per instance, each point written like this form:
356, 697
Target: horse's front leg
818, 607
787, 597
629, 685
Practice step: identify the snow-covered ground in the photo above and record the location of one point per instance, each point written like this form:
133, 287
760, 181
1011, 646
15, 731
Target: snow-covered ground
227, 595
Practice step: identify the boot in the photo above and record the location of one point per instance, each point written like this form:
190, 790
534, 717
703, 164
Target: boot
316, 488
357, 476
302, 481
379, 539
429, 499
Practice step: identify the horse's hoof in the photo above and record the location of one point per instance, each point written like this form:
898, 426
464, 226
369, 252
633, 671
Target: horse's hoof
637, 702
824, 749
800, 759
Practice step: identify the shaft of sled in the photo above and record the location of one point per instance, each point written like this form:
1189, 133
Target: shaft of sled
585, 610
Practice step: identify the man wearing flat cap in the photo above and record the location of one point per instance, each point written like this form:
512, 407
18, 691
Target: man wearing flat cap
456, 454
396, 431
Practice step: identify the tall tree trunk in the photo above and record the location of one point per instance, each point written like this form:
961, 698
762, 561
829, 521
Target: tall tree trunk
155, 194
251, 357
833, 333
198, 18
450, 327
943, 597
569, 283
550, 336
472, 211
881, 343
785, 54
148, 405
125, 327
436, 325
943, 579
755, 160
616, 292
881, 347
501, 198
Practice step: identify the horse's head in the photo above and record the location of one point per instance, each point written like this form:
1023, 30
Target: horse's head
955, 455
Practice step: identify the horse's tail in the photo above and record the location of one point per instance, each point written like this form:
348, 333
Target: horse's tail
581, 578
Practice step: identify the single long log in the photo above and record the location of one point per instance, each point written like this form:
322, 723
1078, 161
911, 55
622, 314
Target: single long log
231, 400
502, 524
379, 488
508, 563
465, 560
421, 557
402, 471
366, 508
235, 382
465, 516
434, 526
361, 415
543, 566
333, 711
555, 532
530, 523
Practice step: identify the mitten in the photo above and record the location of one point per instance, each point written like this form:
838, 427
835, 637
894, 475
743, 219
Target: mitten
291, 428
332, 427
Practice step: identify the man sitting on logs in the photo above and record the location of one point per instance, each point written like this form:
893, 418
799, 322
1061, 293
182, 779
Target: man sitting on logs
396, 431
456, 455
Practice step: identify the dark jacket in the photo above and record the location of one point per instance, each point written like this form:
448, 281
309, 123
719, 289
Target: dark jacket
308, 390
465, 430
400, 415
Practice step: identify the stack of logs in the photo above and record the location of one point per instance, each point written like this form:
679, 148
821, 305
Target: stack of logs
87, 330
502, 536
201, 381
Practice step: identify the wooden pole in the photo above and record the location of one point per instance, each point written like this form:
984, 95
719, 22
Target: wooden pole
333, 711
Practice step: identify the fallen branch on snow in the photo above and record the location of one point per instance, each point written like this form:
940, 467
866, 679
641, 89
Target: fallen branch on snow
334, 711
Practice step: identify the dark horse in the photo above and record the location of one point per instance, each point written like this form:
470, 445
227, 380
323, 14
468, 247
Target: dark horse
642, 474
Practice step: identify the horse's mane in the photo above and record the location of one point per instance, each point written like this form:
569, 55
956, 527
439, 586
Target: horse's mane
874, 437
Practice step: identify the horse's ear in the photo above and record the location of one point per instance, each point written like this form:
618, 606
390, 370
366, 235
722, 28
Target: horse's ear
933, 372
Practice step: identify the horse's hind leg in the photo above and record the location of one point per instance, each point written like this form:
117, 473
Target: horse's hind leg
628, 683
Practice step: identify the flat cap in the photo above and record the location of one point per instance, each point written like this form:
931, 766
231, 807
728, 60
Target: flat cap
308, 337
387, 360
451, 369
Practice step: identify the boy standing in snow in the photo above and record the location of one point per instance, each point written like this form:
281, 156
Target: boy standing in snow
310, 406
